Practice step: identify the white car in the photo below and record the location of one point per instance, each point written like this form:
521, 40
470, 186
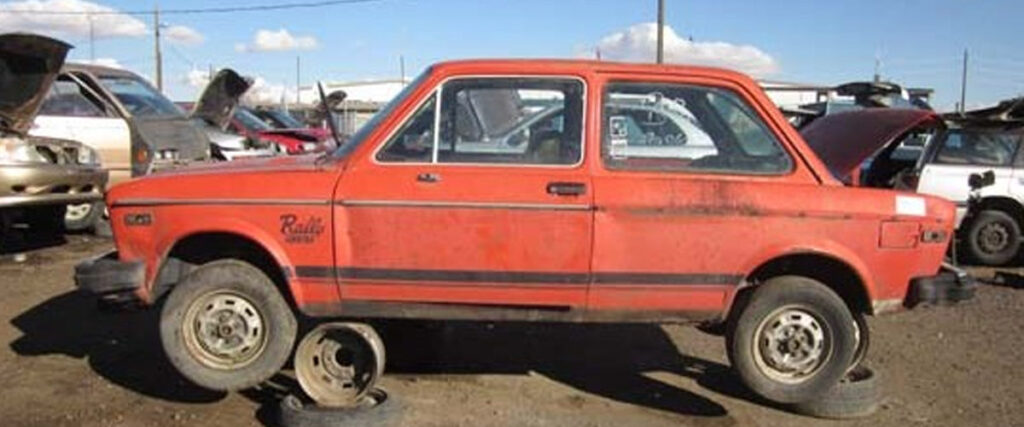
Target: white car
992, 234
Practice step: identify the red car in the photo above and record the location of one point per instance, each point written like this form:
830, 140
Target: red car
516, 190
296, 140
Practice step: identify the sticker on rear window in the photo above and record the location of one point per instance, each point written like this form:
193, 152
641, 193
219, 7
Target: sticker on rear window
909, 205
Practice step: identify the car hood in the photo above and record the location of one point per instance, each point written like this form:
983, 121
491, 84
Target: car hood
249, 165
844, 140
29, 64
218, 100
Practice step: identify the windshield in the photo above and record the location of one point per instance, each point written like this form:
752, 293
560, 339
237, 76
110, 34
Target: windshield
282, 119
139, 98
357, 138
250, 121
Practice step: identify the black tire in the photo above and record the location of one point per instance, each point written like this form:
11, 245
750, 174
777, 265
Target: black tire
46, 219
857, 395
85, 221
863, 340
377, 409
232, 285
819, 310
993, 238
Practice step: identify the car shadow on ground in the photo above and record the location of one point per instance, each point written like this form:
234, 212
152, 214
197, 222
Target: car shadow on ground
611, 361
123, 347
20, 240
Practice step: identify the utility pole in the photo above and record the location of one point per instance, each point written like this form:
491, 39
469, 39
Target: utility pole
298, 70
661, 31
878, 68
401, 68
156, 47
92, 39
963, 85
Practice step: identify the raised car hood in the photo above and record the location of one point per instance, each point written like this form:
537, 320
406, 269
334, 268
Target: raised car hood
28, 66
220, 97
844, 140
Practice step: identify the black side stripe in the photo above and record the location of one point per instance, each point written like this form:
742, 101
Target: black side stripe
607, 278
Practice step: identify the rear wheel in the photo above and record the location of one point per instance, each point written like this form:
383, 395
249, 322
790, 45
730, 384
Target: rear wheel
792, 340
993, 237
226, 326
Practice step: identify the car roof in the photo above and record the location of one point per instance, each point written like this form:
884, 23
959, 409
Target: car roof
576, 65
99, 70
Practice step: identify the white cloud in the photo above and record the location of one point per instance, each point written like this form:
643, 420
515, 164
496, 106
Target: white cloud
182, 34
276, 41
106, 62
638, 43
103, 25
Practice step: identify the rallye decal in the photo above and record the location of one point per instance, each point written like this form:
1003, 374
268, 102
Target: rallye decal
304, 230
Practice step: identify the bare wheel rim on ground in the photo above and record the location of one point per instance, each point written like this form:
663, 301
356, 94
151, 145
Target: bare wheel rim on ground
336, 364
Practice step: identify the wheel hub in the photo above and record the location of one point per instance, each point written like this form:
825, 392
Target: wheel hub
993, 237
338, 363
791, 345
225, 331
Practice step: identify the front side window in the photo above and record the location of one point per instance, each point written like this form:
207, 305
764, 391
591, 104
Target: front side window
66, 98
654, 126
967, 147
534, 121
139, 98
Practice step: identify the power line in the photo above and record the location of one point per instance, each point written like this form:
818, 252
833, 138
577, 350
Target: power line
193, 11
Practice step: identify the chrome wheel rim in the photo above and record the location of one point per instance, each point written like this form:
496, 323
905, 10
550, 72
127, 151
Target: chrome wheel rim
224, 330
78, 212
791, 345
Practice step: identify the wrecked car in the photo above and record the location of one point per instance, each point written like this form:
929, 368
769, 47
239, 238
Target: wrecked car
247, 121
216, 110
39, 176
405, 220
133, 126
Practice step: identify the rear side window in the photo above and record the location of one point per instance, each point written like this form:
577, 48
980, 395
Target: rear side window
529, 121
674, 127
967, 147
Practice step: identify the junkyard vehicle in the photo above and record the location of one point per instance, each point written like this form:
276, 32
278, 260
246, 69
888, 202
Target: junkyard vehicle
132, 125
976, 142
39, 176
216, 110
402, 221
283, 120
291, 140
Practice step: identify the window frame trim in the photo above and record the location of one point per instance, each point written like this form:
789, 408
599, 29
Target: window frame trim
436, 90
612, 81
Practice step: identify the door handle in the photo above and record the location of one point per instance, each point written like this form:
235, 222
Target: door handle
428, 177
567, 188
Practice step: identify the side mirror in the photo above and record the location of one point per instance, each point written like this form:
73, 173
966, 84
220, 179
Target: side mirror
978, 181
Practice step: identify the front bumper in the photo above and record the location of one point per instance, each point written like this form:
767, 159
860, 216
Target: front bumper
114, 281
950, 286
49, 184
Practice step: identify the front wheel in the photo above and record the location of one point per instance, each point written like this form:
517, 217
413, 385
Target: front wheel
993, 238
792, 340
226, 326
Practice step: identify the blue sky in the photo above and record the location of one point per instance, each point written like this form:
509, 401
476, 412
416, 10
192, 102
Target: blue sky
919, 43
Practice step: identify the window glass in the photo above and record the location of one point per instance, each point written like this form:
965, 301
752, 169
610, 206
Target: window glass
964, 147
511, 120
250, 121
414, 141
139, 98
495, 120
655, 126
66, 98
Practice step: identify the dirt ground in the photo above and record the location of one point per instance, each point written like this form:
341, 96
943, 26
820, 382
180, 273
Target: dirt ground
65, 363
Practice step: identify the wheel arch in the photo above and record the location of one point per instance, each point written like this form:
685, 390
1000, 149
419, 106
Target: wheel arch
1011, 206
202, 246
849, 280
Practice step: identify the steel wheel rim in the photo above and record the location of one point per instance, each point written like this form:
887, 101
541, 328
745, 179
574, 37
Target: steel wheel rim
993, 238
78, 212
224, 330
336, 365
791, 345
